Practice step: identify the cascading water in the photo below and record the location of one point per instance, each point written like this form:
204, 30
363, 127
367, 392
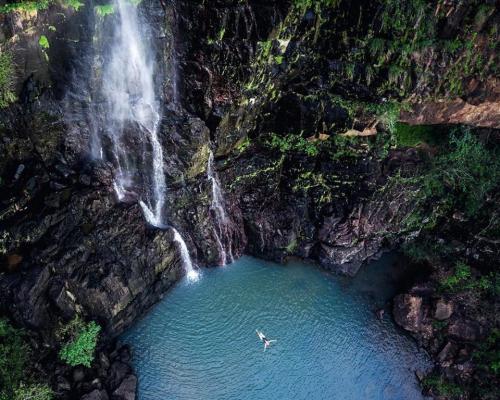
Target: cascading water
129, 117
191, 273
131, 103
218, 210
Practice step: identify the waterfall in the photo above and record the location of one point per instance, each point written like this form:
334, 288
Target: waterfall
131, 105
191, 273
217, 207
125, 115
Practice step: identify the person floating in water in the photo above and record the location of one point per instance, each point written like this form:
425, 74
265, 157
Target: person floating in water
265, 340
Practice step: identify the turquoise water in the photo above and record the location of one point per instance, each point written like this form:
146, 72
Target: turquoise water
200, 342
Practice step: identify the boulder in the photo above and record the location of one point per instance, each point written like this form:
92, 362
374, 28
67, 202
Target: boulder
408, 312
63, 384
447, 353
78, 374
443, 310
117, 373
126, 390
95, 395
465, 330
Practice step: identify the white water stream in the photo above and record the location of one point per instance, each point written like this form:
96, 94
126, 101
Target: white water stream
132, 103
131, 114
218, 208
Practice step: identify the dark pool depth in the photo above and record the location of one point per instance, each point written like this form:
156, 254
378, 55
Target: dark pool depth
200, 342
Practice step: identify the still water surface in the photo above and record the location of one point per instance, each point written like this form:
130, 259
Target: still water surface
200, 342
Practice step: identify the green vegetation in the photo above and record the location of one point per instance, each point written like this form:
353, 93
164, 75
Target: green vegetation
7, 94
458, 180
487, 354
75, 4
442, 387
292, 246
81, 340
413, 135
459, 279
14, 356
306, 4
292, 142
33, 392
424, 249
26, 6
44, 42
265, 48
469, 172
272, 168
37, 5
462, 279
105, 9
386, 112
243, 145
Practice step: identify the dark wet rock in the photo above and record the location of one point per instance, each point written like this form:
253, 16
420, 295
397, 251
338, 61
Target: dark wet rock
443, 310
126, 390
447, 353
104, 361
380, 314
465, 330
95, 395
63, 385
408, 312
117, 373
78, 374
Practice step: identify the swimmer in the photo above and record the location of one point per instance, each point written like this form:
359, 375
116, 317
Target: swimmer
263, 338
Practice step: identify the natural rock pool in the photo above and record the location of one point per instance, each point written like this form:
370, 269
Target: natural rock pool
200, 342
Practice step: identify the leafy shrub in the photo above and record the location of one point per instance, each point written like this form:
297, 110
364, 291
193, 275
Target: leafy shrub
292, 143
36, 5
79, 349
14, 356
104, 9
26, 6
44, 42
7, 95
459, 278
462, 279
469, 172
413, 135
459, 179
487, 354
33, 392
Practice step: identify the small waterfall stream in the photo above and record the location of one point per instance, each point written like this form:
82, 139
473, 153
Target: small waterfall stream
191, 273
218, 209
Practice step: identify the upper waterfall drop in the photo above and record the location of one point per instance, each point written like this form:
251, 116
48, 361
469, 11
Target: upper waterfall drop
132, 104
126, 114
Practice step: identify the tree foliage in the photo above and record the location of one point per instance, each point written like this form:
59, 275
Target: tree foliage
15, 382
80, 348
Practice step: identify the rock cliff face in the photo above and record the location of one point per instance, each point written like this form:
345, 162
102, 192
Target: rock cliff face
298, 101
